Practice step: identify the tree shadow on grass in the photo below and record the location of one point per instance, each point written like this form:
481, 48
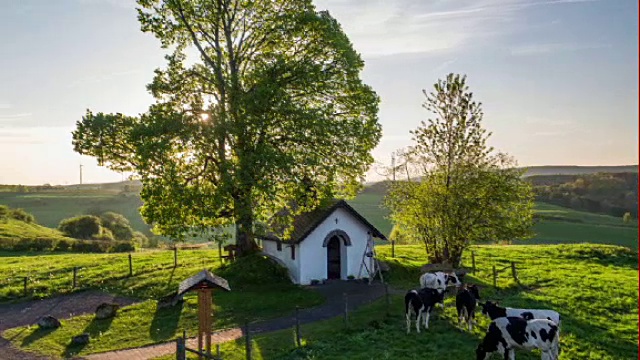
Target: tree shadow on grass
35, 335
622, 257
95, 328
165, 322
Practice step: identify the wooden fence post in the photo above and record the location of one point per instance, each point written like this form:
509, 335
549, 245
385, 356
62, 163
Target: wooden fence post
25, 285
75, 277
175, 256
473, 261
248, 340
514, 272
495, 277
298, 336
393, 248
218, 351
220, 251
386, 297
181, 351
346, 310
130, 265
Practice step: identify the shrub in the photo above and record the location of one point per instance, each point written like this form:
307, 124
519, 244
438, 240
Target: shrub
626, 218
4, 212
121, 246
7, 244
62, 245
41, 244
141, 240
118, 224
95, 246
105, 235
81, 227
254, 270
21, 215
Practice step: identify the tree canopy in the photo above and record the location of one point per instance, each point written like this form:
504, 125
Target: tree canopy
467, 192
270, 110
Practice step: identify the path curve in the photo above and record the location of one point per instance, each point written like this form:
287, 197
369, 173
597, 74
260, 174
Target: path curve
60, 307
358, 294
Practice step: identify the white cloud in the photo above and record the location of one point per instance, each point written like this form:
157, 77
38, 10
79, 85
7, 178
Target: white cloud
13, 117
5, 105
383, 27
537, 49
101, 78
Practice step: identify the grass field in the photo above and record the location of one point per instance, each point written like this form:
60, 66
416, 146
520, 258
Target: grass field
257, 292
594, 287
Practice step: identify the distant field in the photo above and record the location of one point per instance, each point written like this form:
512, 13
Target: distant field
557, 224
51, 207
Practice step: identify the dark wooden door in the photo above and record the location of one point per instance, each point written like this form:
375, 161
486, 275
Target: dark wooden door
333, 258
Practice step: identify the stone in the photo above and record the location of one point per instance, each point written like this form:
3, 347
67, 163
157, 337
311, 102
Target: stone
106, 310
80, 339
170, 300
49, 322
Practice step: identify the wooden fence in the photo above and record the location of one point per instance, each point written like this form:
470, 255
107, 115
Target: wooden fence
75, 274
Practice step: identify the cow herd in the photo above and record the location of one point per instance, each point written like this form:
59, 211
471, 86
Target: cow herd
510, 328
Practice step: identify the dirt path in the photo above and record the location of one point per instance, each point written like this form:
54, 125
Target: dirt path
358, 294
61, 307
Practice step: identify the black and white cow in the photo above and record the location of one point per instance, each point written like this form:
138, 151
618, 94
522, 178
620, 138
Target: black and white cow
494, 311
421, 303
507, 333
466, 300
439, 280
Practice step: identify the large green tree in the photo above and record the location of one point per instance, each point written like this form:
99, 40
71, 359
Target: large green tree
270, 109
467, 192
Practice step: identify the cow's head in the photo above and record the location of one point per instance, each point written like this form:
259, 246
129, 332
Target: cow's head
474, 291
488, 306
452, 279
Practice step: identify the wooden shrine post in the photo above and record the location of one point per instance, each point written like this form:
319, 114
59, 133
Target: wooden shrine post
204, 282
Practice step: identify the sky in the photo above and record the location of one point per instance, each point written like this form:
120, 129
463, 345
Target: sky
558, 79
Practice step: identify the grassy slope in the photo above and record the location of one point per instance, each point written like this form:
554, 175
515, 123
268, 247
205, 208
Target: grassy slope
12, 229
255, 297
592, 286
51, 207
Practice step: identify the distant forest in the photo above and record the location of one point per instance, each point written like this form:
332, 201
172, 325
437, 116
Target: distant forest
605, 193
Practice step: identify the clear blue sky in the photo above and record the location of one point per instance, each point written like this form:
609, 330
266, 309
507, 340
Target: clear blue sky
558, 78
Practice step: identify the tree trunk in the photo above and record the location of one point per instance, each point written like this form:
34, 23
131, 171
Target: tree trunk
245, 239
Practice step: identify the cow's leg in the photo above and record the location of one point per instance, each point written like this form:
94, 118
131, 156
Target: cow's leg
426, 319
461, 315
510, 354
408, 316
420, 313
470, 321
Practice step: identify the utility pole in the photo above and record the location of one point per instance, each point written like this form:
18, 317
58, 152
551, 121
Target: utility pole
80, 174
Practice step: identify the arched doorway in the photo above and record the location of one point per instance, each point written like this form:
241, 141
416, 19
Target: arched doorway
333, 258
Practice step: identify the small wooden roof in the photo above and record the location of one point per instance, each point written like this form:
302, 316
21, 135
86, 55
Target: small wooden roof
203, 280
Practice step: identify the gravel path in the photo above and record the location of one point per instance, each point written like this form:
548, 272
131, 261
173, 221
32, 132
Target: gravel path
61, 307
